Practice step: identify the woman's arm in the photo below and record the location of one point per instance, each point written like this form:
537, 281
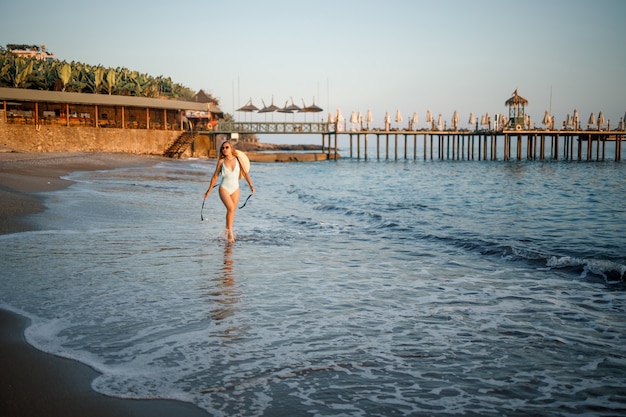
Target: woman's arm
249, 180
214, 178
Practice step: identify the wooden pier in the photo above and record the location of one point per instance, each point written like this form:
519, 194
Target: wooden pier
590, 145
534, 144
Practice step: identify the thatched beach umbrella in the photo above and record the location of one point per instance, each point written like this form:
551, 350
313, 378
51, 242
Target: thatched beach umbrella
472, 120
440, 122
576, 119
285, 110
414, 121
368, 118
248, 107
293, 107
387, 121
310, 109
269, 109
313, 108
359, 119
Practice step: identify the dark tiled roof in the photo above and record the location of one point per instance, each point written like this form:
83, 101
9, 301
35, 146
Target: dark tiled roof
23, 94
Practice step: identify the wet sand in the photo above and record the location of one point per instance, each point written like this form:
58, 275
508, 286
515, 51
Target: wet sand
34, 383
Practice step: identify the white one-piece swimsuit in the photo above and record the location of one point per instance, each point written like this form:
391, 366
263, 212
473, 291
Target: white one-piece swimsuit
230, 179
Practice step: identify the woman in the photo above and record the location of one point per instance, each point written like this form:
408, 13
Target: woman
230, 168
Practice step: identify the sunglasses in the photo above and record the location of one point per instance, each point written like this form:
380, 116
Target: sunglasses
225, 147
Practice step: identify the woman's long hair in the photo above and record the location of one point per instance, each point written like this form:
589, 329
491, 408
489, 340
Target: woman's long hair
234, 151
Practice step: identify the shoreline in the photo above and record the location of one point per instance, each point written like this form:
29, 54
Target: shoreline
33, 382
23, 175
36, 383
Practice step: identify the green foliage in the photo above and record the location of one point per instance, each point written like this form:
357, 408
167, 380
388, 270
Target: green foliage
83, 78
16, 71
64, 73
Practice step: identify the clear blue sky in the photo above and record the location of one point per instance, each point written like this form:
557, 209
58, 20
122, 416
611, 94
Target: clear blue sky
409, 55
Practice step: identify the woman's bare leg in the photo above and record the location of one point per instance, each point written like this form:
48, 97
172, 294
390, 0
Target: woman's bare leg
230, 202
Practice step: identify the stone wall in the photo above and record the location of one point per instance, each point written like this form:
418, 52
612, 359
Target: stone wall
47, 138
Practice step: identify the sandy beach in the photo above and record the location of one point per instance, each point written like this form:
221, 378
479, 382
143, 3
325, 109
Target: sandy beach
34, 383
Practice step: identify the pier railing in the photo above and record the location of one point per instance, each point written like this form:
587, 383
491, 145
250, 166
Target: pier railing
272, 127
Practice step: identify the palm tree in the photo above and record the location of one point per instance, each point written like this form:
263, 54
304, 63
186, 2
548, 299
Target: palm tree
64, 73
110, 80
15, 72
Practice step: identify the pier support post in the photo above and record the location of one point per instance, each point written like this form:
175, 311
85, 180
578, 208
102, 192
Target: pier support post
395, 152
556, 147
454, 147
580, 147
350, 136
431, 147
386, 146
365, 140
598, 148
506, 147
485, 148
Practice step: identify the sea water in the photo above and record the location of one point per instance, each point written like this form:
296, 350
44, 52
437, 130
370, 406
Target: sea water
354, 288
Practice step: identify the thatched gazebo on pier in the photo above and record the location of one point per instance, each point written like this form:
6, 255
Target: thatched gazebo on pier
517, 105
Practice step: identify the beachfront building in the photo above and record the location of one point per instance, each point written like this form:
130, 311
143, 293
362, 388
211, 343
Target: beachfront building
204, 120
517, 105
38, 107
55, 121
